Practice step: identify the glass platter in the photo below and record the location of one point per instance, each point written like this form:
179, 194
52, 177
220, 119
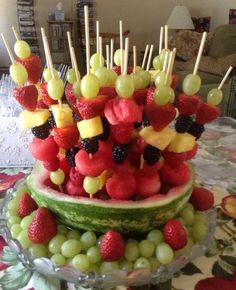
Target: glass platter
111, 279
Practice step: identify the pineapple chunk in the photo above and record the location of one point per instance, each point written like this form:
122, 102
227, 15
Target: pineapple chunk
181, 143
62, 115
160, 139
90, 128
103, 177
32, 119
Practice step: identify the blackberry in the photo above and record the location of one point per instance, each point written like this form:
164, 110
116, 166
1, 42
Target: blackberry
70, 155
51, 121
137, 125
183, 123
90, 145
151, 155
42, 131
119, 153
76, 117
145, 122
196, 130
106, 130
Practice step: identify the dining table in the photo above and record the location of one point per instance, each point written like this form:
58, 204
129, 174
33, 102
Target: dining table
215, 166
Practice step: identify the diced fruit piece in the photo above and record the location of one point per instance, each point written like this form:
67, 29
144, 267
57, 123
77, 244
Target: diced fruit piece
188, 105
159, 139
66, 137
33, 119
108, 91
174, 234
174, 159
44, 150
26, 205
140, 96
45, 97
175, 175
122, 133
190, 154
207, 113
43, 227
75, 189
202, 198
182, 142
228, 206
90, 128
160, 116
62, 115
112, 246
27, 96
52, 165
147, 182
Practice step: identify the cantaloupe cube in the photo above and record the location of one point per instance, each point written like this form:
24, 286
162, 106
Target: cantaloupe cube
63, 115
160, 139
181, 143
90, 128
33, 119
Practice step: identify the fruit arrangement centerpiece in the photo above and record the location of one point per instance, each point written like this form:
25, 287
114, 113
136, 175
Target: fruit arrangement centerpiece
112, 188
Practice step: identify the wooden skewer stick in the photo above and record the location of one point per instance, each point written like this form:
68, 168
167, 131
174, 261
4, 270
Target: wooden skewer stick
108, 55
172, 61
166, 37
112, 53
126, 55
8, 48
86, 20
149, 58
145, 55
15, 33
100, 51
44, 46
74, 61
168, 72
166, 58
199, 55
225, 77
70, 46
135, 59
97, 35
121, 47
161, 40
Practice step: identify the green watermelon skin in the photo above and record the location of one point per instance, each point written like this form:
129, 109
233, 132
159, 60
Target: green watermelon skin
127, 217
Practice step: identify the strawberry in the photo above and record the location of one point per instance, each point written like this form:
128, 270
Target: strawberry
71, 99
202, 198
122, 133
66, 137
175, 234
45, 97
215, 283
140, 96
207, 113
112, 246
150, 93
43, 226
26, 205
191, 153
160, 116
174, 82
175, 175
117, 69
33, 66
89, 108
108, 91
188, 105
27, 96
174, 159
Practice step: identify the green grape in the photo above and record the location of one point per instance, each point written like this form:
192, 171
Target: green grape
91, 184
38, 250
26, 221
162, 95
117, 56
164, 253
142, 263
57, 177
138, 81
55, 88
191, 84
70, 248
106, 267
94, 254
95, 61
201, 218
214, 97
154, 263
89, 86
157, 63
181, 220
103, 76
99, 240
93, 268
13, 206
15, 230
146, 248
189, 206
73, 234
47, 74
22, 49
188, 216
61, 229
71, 76
186, 249
172, 96
162, 55
146, 77
81, 262
131, 251
14, 219
58, 260
124, 86
112, 76
199, 231
161, 79
76, 89
133, 241
88, 239
18, 74
155, 236
126, 265
55, 244
138, 69
24, 240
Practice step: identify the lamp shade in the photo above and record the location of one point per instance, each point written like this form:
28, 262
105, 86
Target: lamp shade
180, 18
